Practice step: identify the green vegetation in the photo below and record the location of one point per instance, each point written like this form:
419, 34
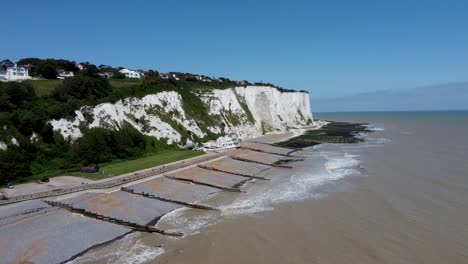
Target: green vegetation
44, 87
232, 118
34, 150
47, 68
119, 167
99, 145
124, 83
334, 132
246, 109
82, 87
281, 89
266, 128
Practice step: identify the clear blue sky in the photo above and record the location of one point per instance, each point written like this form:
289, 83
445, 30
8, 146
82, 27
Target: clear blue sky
330, 48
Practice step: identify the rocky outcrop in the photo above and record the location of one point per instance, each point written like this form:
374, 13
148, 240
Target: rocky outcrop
247, 111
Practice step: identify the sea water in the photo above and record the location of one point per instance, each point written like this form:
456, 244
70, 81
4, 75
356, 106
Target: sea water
401, 196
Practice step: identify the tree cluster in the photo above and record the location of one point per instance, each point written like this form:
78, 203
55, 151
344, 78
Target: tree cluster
100, 145
32, 147
48, 68
84, 86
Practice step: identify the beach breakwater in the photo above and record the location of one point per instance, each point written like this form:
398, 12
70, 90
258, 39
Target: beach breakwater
136, 207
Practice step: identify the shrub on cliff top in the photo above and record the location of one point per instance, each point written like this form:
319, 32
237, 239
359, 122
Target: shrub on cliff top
83, 87
13, 95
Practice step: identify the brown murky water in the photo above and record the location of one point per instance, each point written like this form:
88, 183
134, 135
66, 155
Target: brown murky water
402, 197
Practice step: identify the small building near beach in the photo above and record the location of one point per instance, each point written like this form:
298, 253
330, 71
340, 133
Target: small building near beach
228, 141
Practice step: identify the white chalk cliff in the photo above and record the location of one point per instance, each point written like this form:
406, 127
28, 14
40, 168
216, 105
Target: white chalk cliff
248, 111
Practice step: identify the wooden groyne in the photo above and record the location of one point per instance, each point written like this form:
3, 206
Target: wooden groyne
32, 213
132, 225
238, 174
292, 149
148, 195
270, 149
263, 151
203, 183
263, 163
274, 153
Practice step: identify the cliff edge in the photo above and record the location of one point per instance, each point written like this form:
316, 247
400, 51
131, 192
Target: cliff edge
248, 111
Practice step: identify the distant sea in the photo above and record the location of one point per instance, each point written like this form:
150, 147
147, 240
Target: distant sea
399, 197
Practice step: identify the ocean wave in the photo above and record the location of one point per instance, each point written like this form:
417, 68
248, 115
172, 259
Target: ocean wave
375, 127
262, 196
304, 183
183, 220
125, 251
325, 164
140, 254
292, 191
370, 140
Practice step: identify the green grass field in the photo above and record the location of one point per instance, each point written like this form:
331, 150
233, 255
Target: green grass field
116, 168
120, 83
45, 87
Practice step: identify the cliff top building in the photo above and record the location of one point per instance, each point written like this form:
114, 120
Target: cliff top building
9, 71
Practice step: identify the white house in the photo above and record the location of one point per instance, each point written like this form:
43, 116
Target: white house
106, 74
228, 141
130, 74
61, 74
80, 66
11, 72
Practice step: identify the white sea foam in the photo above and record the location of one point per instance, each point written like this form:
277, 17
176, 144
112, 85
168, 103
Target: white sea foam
348, 155
313, 178
181, 220
375, 127
264, 199
321, 167
305, 183
139, 254
325, 164
371, 139
124, 251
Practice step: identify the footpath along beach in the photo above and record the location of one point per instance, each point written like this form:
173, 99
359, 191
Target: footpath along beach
56, 226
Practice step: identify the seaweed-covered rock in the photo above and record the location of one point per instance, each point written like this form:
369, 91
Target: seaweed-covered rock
333, 132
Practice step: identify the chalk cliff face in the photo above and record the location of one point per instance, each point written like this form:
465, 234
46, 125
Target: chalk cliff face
248, 111
278, 110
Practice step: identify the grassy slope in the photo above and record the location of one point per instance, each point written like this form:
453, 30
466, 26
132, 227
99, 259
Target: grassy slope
117, 167
119, 83
45, 87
